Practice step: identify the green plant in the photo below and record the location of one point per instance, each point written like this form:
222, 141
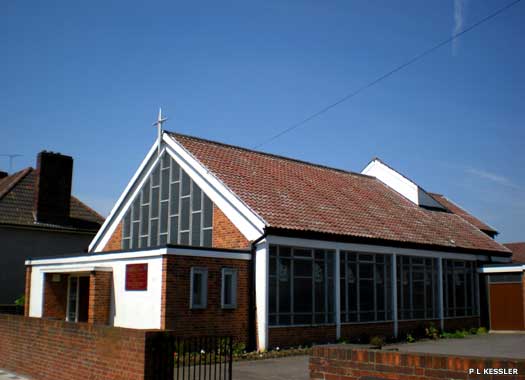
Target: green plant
482, 330
410, 338
20, 301
432, 332
377, 341
239, 349
458, 334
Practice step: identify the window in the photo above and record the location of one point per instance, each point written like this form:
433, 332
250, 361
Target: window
301, 286
366, 290
229, 288
417, 293
505, 278
198, 288
170, 208
460, 288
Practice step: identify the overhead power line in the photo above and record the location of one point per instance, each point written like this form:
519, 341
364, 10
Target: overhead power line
388, 74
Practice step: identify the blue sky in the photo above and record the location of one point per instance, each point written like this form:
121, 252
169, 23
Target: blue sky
87, 78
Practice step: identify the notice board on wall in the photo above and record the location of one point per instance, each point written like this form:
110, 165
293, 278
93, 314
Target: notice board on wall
136, 276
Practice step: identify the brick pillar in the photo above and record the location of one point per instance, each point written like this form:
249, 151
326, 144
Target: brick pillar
27, 293
100, 284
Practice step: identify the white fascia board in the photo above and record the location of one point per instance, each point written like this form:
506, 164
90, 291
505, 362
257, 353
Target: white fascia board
110, 224
78, 269
368, 248
243, 217
120, 256
392, 179
502, 269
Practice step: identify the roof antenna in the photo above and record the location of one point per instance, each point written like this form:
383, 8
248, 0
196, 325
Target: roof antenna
158, 124
11, 157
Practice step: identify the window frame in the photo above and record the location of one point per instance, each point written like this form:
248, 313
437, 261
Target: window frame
233, 272
204, 287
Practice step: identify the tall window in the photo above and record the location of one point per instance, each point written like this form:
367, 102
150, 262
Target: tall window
460, 287
198, 288
366, 290
170, 208
301, 286
417, 288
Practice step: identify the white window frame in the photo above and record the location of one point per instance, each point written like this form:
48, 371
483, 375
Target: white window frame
233, 296
204, 287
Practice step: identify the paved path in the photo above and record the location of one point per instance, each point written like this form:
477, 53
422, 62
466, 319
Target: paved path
289, 368
508, 346
4, 375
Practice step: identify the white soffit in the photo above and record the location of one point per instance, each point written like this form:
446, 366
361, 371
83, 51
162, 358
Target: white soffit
399, 183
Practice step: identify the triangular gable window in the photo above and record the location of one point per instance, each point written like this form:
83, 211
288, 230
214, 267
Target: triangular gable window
170, 208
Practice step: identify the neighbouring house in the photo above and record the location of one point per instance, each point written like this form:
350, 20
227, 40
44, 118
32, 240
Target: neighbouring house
39, 217
209, 238
518, 251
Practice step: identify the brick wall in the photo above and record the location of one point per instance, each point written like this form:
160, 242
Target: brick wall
175, 308
55, 297
347, 363
453, 324
225, 234
366, 330
115, 241
294, 336
27, 292
100, 285
57, 350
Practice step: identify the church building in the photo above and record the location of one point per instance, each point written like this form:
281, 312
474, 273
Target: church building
213, 239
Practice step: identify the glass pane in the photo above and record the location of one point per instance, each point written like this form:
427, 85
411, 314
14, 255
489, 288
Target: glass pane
174, 201
184, 238
195, 198
196, 229
155, 177
185, 184
227, 289
136, 209
155, 202
185, 214
175, 171
163, 239
145, 193
126, 243
165, 193
164, 217
302, 268
174, 229
126, 225
197, 289
144, 217
166, 160
302, 295
143, 242
273, 294
207, 238
154, 234
208, 212
284, 285
135, 235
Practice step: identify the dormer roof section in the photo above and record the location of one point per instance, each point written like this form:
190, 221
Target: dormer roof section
401, 184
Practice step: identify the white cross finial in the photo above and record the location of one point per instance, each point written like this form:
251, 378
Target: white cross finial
158, 124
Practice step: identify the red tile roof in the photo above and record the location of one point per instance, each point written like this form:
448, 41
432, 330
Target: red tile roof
17, 205
452, 207
518, 251
295, 195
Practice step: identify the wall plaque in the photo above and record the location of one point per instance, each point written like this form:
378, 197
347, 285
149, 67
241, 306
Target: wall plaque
136, 276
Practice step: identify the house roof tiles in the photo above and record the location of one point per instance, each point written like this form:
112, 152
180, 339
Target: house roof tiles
296, 195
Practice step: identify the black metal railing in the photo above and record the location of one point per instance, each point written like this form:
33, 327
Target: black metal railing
203, 358
12, 309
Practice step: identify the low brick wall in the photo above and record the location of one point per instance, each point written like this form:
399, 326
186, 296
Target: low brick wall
339, 362
57, 350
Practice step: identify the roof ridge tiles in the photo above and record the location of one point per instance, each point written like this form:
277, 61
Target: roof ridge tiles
18, 176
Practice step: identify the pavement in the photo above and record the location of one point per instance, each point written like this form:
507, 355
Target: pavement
496, 345
288, 368
4, 375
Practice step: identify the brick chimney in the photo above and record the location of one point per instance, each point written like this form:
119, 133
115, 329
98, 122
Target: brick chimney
53, 187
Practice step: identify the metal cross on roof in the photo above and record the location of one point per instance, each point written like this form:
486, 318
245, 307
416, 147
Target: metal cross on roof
158, 124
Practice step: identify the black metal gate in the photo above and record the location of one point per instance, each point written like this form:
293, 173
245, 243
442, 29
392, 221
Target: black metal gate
203, 358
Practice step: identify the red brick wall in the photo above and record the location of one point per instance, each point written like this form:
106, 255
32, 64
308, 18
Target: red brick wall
351, 331
294, 336
58, 350
452, 324
175, 309
346, 363
27, 293
55, 297
100, 284
225, 234
115, 241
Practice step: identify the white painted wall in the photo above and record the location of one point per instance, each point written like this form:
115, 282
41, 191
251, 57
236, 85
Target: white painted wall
133, 309
262, 264
399, 183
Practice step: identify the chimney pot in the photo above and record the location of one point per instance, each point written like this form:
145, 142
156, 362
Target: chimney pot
53, 187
